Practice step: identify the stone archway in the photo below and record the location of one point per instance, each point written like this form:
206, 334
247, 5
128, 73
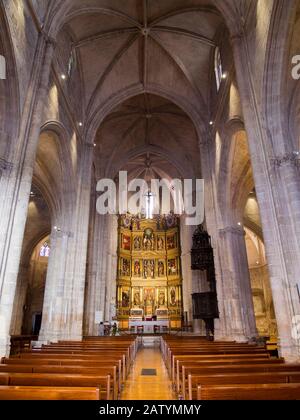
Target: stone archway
37, 273
144, 136
32, 271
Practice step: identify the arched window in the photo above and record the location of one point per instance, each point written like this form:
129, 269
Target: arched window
2, 68
45, 250
71, 62
218, 67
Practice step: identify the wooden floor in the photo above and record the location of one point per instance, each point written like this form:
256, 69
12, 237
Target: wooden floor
138, 387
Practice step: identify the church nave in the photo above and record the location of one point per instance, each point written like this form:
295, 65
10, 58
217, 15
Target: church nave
148, 387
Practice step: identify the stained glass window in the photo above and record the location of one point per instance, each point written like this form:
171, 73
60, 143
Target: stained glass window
45, 250
218, 67
72, 62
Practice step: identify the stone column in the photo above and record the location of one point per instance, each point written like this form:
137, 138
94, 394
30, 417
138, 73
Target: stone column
89, 314
111, 273
65, 282
96, 276
20, 300
16, 185
277, 186
237, 294
222, 324
55, 305
101, 281
186, 237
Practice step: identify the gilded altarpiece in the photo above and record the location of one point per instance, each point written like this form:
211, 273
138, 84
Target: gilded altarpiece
149, 281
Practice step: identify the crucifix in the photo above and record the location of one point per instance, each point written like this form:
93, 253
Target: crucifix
149, 204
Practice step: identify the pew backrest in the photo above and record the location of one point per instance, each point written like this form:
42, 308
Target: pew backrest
48, 393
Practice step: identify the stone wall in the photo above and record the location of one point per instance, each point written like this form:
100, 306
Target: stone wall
263, 304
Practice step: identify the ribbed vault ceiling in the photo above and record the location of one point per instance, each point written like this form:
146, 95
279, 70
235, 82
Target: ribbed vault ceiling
149, 137
168, 43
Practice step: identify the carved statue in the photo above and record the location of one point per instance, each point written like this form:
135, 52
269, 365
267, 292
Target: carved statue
161, 298
125, 268
149, 299
161, 268
148, 240
172, 267
149, 270
173, 296
136, 299
137, 268
171, 242
152, 266
152, 242
145, 269
137, 243
148, 243
125, 299
160, 243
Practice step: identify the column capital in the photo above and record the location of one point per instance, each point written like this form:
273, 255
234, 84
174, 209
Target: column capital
89, 146
288, 159
60, 233
234, 230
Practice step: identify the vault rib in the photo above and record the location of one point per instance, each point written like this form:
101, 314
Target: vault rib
203, 9
104, 35
110, 67
179, 31
178, 63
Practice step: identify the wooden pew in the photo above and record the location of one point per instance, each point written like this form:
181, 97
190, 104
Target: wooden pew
170, 361
15, 368
178, 360
62, 361
59, 380
67, 358
176, 344
290, 391
67, 370
206, 363
243, 370
209, 352
48, 393
4, 379
129, 345
237, 378
71, 370
193, 362
199, 361
59, 363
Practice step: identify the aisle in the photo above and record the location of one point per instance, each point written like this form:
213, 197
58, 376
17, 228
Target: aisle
141, 387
